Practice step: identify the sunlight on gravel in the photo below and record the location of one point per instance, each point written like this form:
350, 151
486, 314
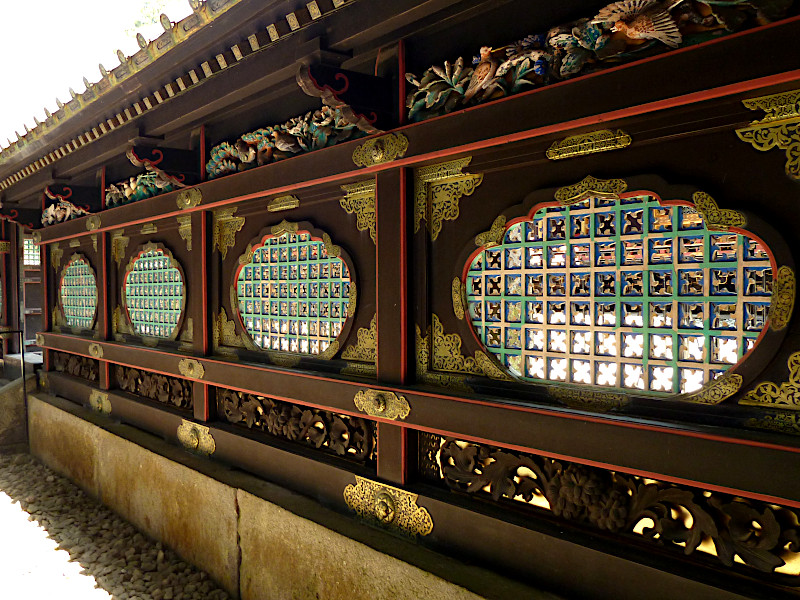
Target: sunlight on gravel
58, 542
32, 566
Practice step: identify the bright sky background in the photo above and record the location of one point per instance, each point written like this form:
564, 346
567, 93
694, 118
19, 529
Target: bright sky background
49, 46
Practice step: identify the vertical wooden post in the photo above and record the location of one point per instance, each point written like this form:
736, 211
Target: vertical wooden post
203, 327
392, 308
14, 282
103, 311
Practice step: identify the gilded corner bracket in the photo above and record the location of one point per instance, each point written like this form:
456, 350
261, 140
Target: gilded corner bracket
359, 199
225, 332
226, 226
119, 243
99, 402
780, 127
438, 351
56, 254
185, 230
385, 404
366, 346
590, 187
588, 143
196, 438
388, 506
771, 395
438, 190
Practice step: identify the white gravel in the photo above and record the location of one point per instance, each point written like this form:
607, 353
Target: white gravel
58, 542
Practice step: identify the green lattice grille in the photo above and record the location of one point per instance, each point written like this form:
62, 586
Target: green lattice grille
78, 292
625, 294
292, 296
154, 294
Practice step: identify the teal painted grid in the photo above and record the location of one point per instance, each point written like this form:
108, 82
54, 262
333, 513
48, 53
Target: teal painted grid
292, 296
78, 292
670, 223
154, 292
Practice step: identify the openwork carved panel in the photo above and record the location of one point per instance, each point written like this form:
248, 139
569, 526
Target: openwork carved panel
154, 293
349, 437
627, 293
295, 292
711, 527
161, 388
77, 366
78, 293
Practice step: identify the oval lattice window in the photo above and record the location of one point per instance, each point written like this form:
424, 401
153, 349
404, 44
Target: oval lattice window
632, 294
78, 293
154, 292
295, 293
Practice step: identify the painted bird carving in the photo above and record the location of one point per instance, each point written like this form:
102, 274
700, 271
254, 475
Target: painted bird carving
642, 20
483, 73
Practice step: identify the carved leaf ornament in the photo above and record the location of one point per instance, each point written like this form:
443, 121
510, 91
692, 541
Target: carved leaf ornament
295, 292
622, 292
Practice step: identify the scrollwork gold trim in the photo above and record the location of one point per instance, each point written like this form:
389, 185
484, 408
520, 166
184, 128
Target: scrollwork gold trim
782, 422
378, 403
226, 226
388, 506
457, 293
590, 187
785, 395
284, 227
380, 150
716, 217
783, 295
196, 438
191, 368
185, 230
717, 390
74, 243
359, 199
588, 143
438, 190
283, 203
149, 229
99, 402
780, 128
494, 236
366, 346
189, 198
95, 351
588, 399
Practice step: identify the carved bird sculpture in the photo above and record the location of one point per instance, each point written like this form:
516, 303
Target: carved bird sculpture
483, 73
641, 20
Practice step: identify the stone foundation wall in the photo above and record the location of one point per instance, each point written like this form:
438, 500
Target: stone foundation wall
253, 548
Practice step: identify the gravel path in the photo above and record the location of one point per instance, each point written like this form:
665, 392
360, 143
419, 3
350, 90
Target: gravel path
58, 542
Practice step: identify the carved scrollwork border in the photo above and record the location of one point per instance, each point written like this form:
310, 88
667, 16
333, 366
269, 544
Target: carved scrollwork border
592, 142
226, 226
385, 148
359, 199
771, 395
590, 187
